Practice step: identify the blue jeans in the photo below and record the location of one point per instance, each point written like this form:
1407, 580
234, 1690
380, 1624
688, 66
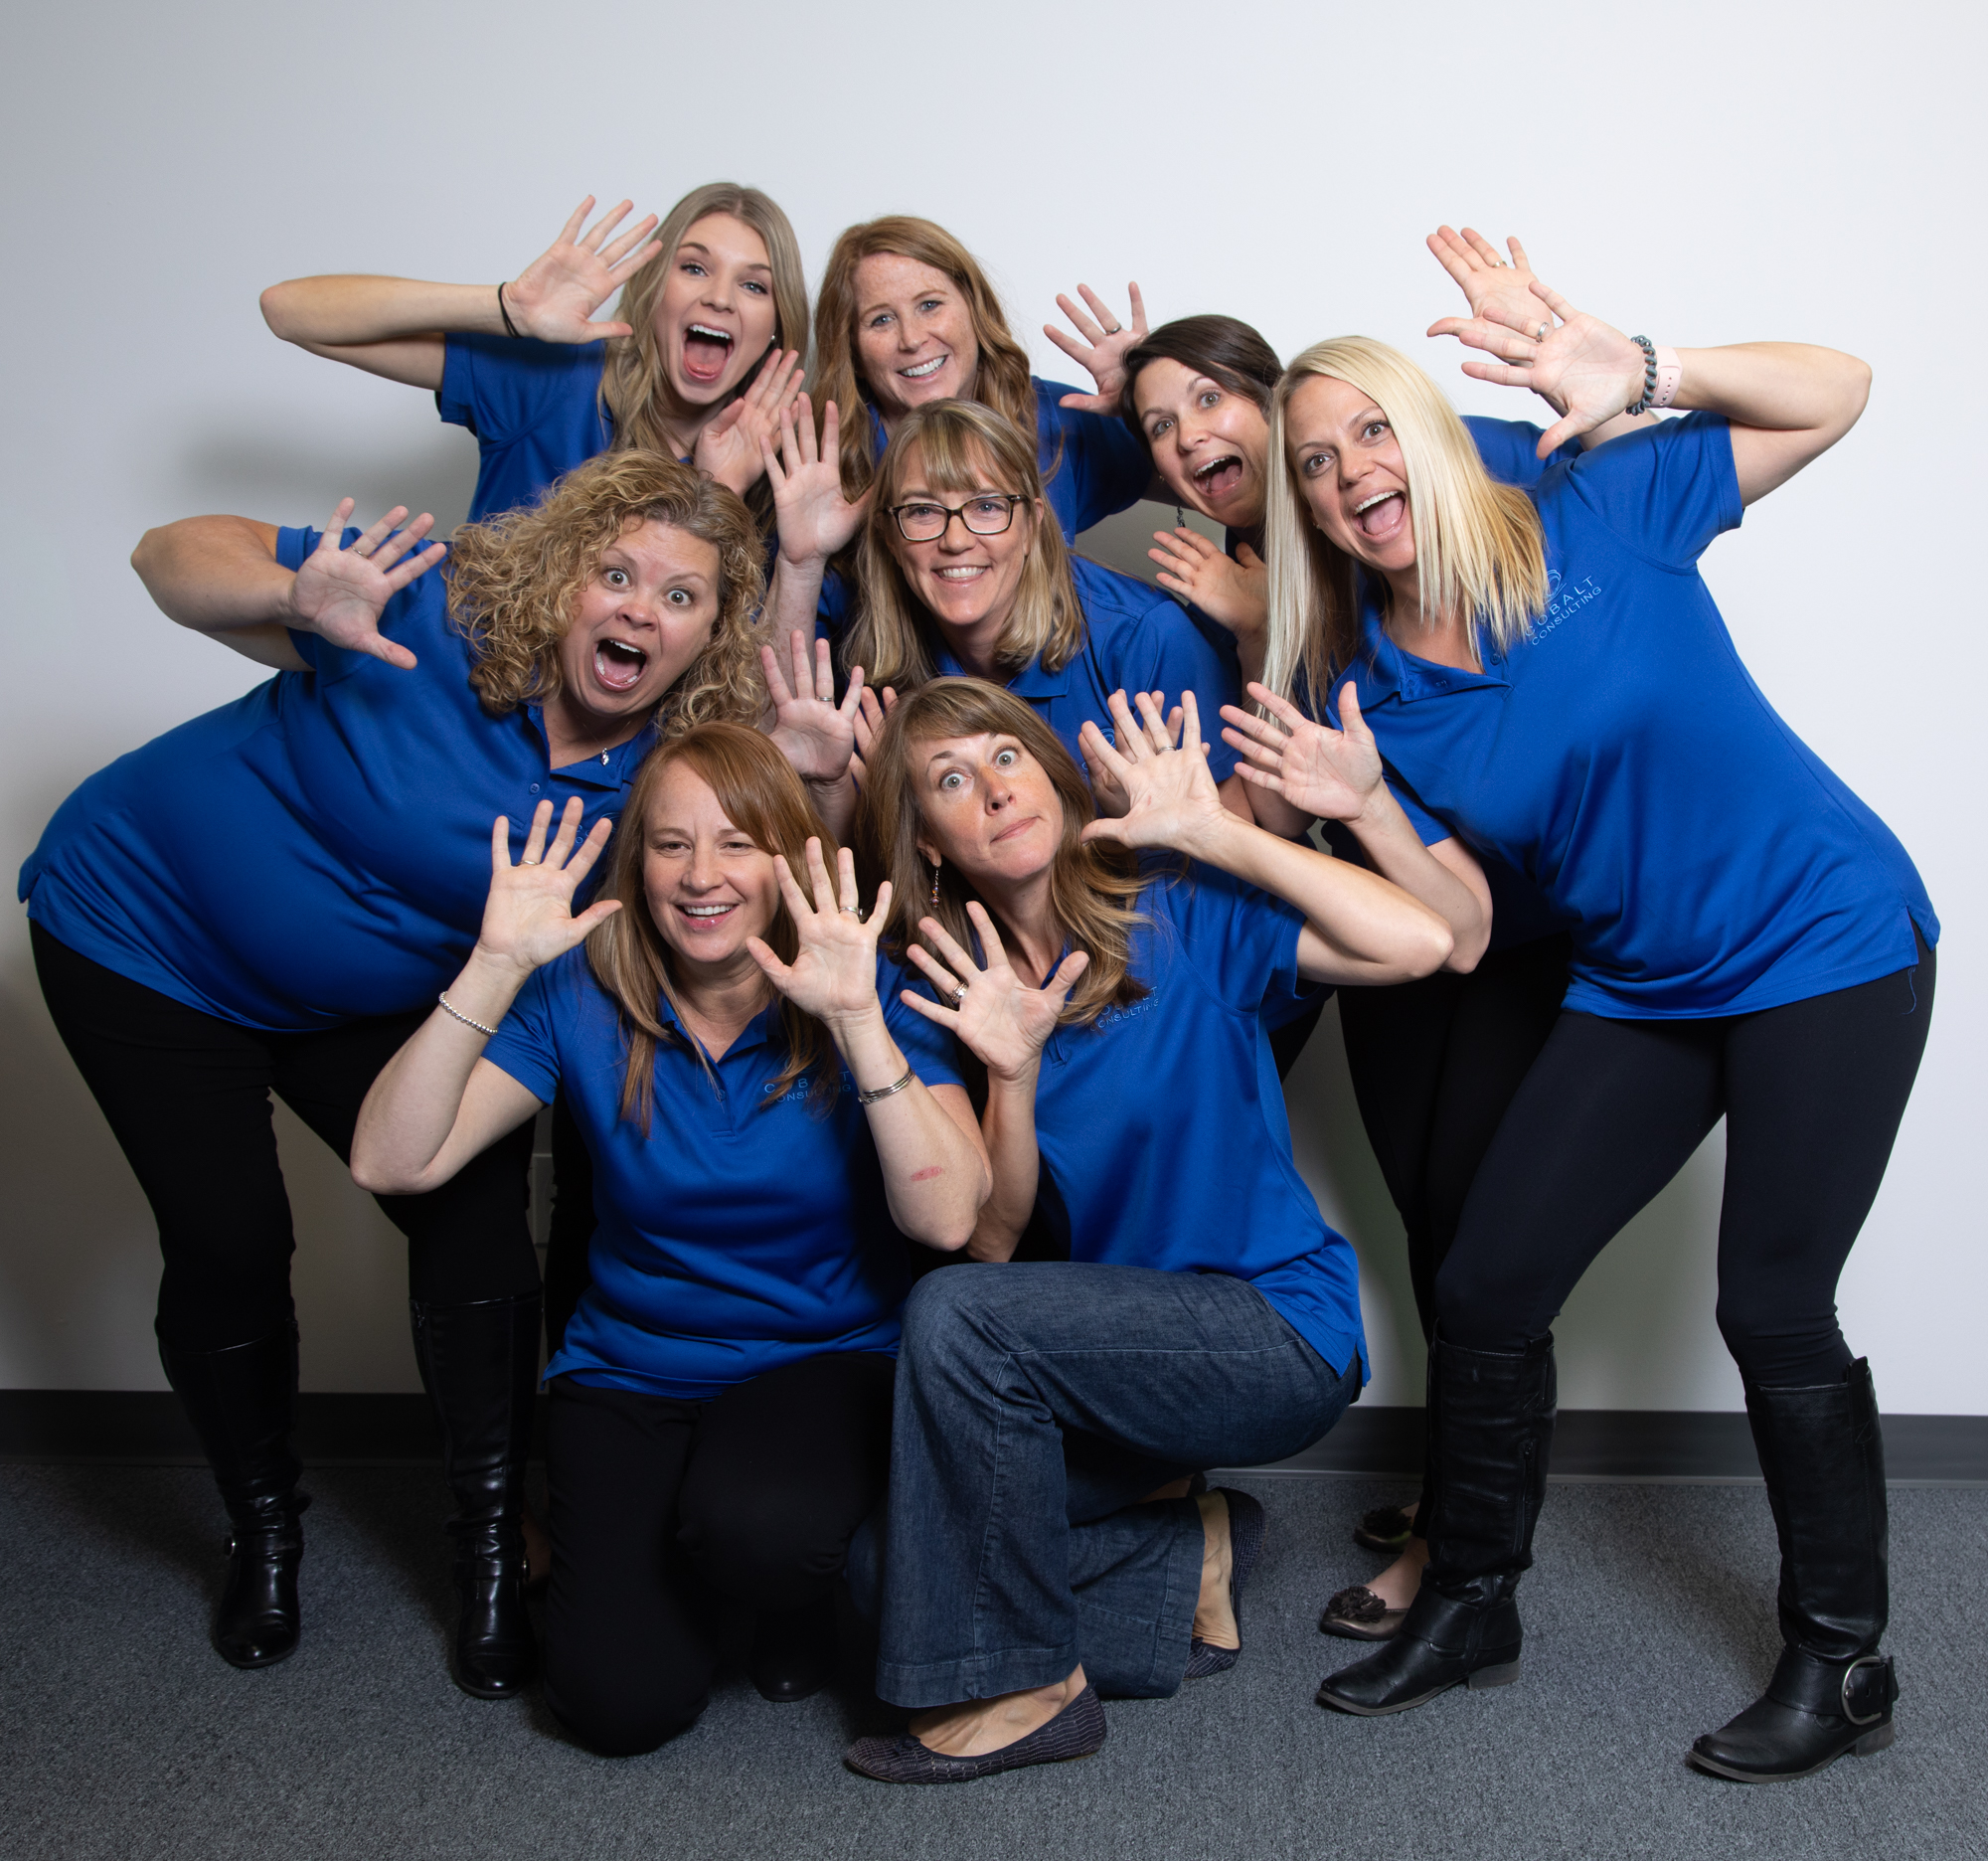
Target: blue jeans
1035, 1403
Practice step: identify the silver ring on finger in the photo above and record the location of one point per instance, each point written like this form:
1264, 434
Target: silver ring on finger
960, 995
853, 911
1117, 330
1541, 335
528, 861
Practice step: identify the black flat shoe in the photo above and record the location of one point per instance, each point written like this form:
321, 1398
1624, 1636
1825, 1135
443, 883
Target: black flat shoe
1812, 1713
1245, 1545
1443, 1641
793, 1652
255, 1623
1076, 1731
1359, 1615
1386, 1528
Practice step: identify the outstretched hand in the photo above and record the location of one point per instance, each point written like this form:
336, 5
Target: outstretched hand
733, 447
1319, 770
814, 733
833, 975
870, 716
815, 519
1099, 347
527, 917
1170, 797
340, 594
1234, 593
554, 299
1001, 1021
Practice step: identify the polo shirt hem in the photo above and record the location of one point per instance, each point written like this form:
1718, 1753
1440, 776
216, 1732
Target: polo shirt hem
596, 1375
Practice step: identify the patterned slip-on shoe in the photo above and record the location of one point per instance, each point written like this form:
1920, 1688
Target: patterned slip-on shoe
1383, 1528
1359, 1615
1076, 1731
1245, 1545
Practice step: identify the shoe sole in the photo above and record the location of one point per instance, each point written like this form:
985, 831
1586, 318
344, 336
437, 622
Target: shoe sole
1504, 1674
1878, 1738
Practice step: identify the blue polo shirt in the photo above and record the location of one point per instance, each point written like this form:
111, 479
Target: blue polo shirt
533, 406
1135, 639
1623, 759
1162, 1127
743, 1232
319, 849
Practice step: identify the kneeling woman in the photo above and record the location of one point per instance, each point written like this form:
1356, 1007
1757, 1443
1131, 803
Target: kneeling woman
767, 1122
1207, 1315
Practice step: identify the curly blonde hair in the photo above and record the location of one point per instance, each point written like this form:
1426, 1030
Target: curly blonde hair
514, 582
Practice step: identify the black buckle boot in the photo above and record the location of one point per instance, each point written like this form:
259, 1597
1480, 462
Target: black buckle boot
241, 1402
480, 1366
1491, 1422
793, 1652
1822, 1451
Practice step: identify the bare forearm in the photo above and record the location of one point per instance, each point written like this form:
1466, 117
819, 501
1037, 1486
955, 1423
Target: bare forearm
1396, 851
354, 308
1009, 1127
1776, 386
215, 573
794, 602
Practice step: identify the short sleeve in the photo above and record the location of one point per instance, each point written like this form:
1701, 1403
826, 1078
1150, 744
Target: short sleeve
523, 1045
1242, 941
1104, 468
500, 387
927, 1047
1510, 450
1666, 491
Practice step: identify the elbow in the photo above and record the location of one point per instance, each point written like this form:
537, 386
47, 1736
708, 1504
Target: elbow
1467, 951
1431, 948
1856, 390
378, 1176
280, 311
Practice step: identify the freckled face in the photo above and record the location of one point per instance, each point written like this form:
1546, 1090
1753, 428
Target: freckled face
1348, 468
715, 316
986, 807
914, 338
707, 884
1209, 443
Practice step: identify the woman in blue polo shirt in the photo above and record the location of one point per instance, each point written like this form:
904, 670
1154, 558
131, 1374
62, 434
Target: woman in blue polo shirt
1547, 676
769, 1124
1206, 1314
703, 352
267, 898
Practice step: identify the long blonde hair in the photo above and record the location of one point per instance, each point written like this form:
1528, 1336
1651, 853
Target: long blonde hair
765, 800
514, 582
1002, 381
633, 379
963, 448
1092, 884
1479, 548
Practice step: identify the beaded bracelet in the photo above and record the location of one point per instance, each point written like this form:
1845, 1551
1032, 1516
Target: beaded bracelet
884, 1091
1649, 350
448, 1007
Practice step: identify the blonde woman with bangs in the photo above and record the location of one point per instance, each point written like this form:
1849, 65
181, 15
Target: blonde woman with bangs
1544, 675
268, 898
704, 350
1113, 978
962, 570
770, 1124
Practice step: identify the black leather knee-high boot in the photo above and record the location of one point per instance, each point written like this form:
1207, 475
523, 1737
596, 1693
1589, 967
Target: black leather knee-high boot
1823, 1452
480, 1366
1491, 1424
241, 1402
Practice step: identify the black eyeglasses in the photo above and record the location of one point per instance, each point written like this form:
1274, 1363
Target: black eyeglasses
987, 515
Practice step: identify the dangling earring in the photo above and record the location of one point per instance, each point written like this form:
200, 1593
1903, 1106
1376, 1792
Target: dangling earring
934, 885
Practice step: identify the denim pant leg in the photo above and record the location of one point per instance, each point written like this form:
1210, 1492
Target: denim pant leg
991, 1583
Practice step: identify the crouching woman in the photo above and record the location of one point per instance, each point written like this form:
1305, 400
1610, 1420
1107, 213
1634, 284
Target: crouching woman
767, 1123
1112, 977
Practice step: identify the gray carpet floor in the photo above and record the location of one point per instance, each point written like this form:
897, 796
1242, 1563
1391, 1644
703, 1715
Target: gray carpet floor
1648, 1620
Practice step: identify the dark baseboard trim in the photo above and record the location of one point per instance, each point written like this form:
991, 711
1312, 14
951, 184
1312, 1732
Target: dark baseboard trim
146, 1427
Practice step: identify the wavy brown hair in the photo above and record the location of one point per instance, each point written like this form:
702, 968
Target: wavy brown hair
960, 447
761, 795
1001, 382
1092, 884
514, 582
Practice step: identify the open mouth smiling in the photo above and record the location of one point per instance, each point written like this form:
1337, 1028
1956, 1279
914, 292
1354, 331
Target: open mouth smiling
925, 371
1381, 514
708, 913
1219, 477
618, 665
707, 350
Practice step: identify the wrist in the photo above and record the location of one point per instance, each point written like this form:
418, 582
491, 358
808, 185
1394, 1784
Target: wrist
856, 1033
490, 973
1212, 837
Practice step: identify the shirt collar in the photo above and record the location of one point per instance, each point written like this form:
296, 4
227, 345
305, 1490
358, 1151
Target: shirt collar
1385, 671
762, 1030
609, 769
1032, 681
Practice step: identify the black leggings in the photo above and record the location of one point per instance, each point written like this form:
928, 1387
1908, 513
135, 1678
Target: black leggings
1434, 1063
656, 1503
187, 1097
1811, 1093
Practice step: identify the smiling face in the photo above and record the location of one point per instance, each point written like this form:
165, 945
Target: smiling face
1348, 467
968, 584
1209, 443
707, 886
914, 338
713, 319
986, 807
645, 615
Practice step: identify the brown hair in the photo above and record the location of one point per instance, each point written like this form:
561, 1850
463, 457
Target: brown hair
514, 582
1092, 884
963, 448
1224, 348
761, 795
1002, 381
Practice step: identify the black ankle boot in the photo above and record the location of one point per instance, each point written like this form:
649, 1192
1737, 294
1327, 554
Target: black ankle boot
1823, 1453
793, 1652
1490, 1425
480, 1366
241, 1402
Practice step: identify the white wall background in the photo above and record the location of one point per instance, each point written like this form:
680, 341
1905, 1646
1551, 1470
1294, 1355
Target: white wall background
1703, 172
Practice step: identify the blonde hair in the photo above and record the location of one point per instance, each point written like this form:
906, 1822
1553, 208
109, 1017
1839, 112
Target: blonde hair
1001, 382
1092, 884
765, 800
515, 580
962, 448
634, 378
1479, 548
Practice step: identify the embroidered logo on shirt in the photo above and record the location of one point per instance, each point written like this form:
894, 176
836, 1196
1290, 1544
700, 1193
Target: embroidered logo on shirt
1563, 599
